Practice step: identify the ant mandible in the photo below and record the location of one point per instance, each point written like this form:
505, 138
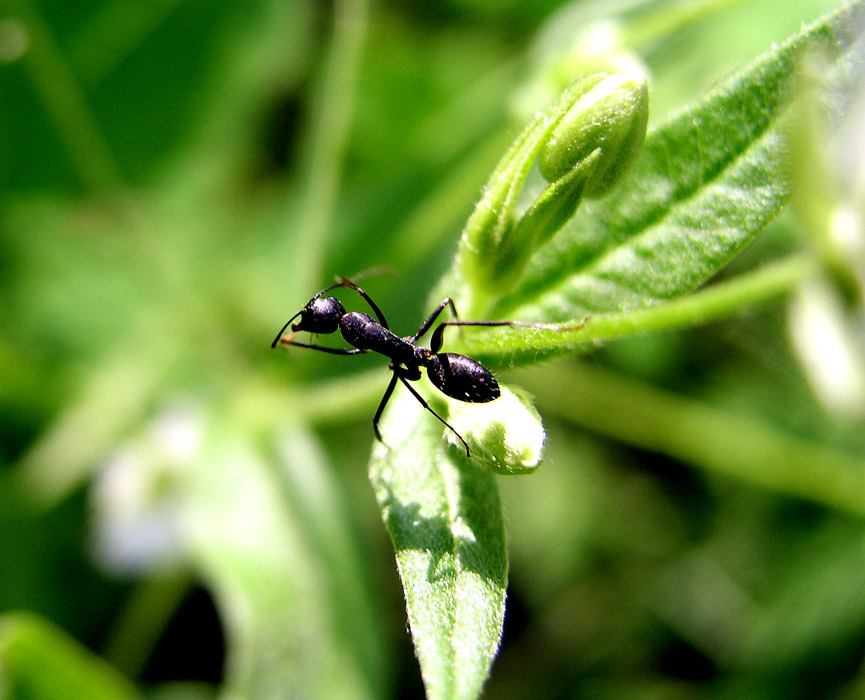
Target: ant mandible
457, 376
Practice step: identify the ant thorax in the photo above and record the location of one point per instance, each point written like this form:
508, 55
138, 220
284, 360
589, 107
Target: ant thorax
363, 331
422, 355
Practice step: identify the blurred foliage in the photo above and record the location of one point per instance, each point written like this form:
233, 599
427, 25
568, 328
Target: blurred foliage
186, 514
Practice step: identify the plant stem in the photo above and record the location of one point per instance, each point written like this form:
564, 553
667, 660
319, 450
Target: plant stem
67, 104
328, 137
663, 20
719, 300
442, 211
71, 448
143, 619
700, 434
112, 34
716, 301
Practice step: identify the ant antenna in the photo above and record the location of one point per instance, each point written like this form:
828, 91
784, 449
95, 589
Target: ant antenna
374, 271
282, 330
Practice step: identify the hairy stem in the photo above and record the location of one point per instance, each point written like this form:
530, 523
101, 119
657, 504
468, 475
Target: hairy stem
705, 436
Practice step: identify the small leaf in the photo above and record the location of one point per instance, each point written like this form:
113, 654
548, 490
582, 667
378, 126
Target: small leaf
445, 520
543, 219
493, 217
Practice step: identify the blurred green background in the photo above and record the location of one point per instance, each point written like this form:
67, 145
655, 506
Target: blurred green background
177, 178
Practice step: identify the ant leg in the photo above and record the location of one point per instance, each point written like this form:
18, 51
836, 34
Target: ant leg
333, 351
382, 404
425, 326
437, 339
428, 408
345, 282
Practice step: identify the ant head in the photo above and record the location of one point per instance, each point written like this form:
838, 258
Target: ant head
320, 315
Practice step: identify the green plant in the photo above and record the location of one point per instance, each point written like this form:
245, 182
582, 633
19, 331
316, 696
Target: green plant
143, 295
708, 182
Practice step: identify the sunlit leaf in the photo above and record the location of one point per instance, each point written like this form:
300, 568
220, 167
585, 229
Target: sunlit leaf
707, 182
444, 517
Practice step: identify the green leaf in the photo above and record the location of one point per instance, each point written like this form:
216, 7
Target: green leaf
547, 214
445, 519
708, 181
39, 661
706, 184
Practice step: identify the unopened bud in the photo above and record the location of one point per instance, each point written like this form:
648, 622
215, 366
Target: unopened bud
609, 116
506, 436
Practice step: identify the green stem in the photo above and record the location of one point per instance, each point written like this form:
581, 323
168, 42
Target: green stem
717, 301
143, 619
444, 208
67, 104
330, 126
70, 449
114, 32
697, 433
79, 131
708, 304
348, 398
664, 19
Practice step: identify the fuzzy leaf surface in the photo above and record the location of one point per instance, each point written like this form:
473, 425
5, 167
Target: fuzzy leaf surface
708, 181
445, 519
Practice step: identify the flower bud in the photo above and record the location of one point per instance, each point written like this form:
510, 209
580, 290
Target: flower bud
505, 436
584, 143
609, 116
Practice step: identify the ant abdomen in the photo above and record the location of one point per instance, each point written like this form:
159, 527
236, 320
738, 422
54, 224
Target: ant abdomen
462, 378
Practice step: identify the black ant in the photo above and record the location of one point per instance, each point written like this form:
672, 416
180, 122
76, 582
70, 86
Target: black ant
457, 376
